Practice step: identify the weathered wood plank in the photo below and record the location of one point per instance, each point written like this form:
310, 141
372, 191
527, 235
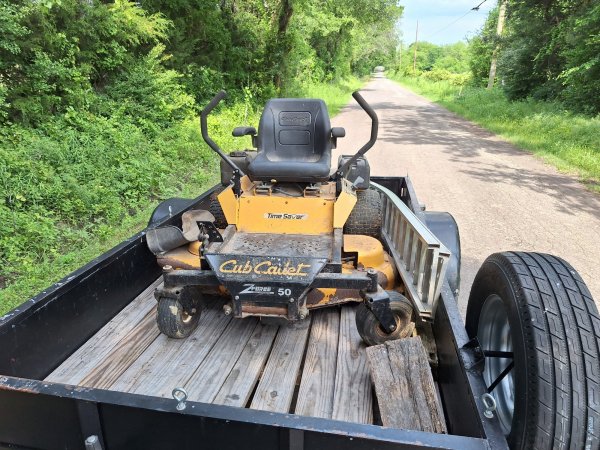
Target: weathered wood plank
353, 399
210, 375
244, 375
125, 353
98, 347
404, 386
276, 387
169, 363
315, 397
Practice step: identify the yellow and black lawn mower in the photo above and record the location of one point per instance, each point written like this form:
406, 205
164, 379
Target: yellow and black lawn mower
289, 234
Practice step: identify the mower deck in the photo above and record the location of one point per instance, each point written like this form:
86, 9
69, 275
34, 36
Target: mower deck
267, 244
317, 367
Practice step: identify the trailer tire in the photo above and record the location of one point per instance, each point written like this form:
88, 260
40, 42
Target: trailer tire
173, 320
369, 328
215, 209
537, 307
366, 217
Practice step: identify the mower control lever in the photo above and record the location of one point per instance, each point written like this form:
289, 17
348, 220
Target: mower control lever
243, 131
237, 173
374, 129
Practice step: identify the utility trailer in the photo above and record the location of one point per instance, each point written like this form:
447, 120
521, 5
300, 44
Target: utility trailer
40, 335
83, 365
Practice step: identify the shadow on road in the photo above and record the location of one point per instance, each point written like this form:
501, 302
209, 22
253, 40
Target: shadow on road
464, 142
564, 188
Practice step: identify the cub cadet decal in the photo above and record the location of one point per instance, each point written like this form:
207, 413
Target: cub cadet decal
264, 268
286, 216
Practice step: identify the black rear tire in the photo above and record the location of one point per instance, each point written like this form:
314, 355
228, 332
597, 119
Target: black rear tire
173, 320
369, 328
366, 217
554, 333
215, 209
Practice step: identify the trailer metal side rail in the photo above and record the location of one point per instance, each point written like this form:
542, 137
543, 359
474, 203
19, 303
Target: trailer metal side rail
51, 416
420, 257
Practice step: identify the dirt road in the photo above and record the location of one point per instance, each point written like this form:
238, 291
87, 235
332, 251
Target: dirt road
501, 197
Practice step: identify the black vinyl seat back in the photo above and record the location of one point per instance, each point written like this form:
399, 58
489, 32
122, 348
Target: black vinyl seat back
294, 142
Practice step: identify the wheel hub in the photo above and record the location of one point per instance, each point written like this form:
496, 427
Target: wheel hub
495, 340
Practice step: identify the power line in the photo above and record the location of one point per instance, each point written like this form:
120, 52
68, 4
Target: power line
450, 24
475, 8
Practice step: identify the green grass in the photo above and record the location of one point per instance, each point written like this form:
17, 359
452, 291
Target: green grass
568, 141
31, 269
335, 95
47, 247
51, 269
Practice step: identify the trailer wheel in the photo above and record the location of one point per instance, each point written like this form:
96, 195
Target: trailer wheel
366, 217
215, 209
539, 328
173, 320
369, 328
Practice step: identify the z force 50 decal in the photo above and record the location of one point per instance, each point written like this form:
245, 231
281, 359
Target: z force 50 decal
285, 216
250, 288
288, 269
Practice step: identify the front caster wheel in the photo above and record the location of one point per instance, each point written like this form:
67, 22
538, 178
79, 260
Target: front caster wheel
538, 328
174, 321
369, 328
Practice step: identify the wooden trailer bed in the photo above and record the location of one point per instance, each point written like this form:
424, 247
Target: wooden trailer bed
317, 368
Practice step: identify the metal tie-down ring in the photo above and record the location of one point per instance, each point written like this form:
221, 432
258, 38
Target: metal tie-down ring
490, 405
181, 396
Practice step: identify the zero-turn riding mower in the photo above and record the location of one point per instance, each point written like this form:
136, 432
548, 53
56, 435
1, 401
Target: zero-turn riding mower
288, 234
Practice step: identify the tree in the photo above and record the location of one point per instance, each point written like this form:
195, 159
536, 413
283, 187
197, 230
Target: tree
549, 51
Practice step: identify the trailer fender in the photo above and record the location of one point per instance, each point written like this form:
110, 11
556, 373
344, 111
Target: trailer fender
443, 225
168, 208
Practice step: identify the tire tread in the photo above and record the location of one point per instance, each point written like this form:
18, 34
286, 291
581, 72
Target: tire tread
366, 217
560, 321
215, 209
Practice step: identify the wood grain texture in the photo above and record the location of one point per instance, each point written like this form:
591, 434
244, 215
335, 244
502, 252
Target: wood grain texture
210, 375
404, 386
276, 387
315, 397
99, 346
169, 363
353, 399
125, 353
244, 375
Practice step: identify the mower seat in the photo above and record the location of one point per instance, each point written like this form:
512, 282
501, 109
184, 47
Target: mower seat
294, 142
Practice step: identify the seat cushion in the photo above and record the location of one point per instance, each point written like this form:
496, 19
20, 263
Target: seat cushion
294, 142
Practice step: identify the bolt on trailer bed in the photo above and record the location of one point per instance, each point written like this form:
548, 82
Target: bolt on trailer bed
64, 353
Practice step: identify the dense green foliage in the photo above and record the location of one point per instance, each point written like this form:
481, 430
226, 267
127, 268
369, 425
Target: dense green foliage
435, 62
98, 104
567, 140
268, 46
481, 48
549, 50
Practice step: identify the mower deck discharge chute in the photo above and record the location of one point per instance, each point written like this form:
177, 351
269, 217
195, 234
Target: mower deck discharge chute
288, 234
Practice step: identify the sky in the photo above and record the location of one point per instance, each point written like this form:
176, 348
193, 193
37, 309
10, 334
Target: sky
436, 16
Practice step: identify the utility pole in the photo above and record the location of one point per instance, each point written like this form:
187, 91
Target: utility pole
499, 28
400, 57
416, 44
